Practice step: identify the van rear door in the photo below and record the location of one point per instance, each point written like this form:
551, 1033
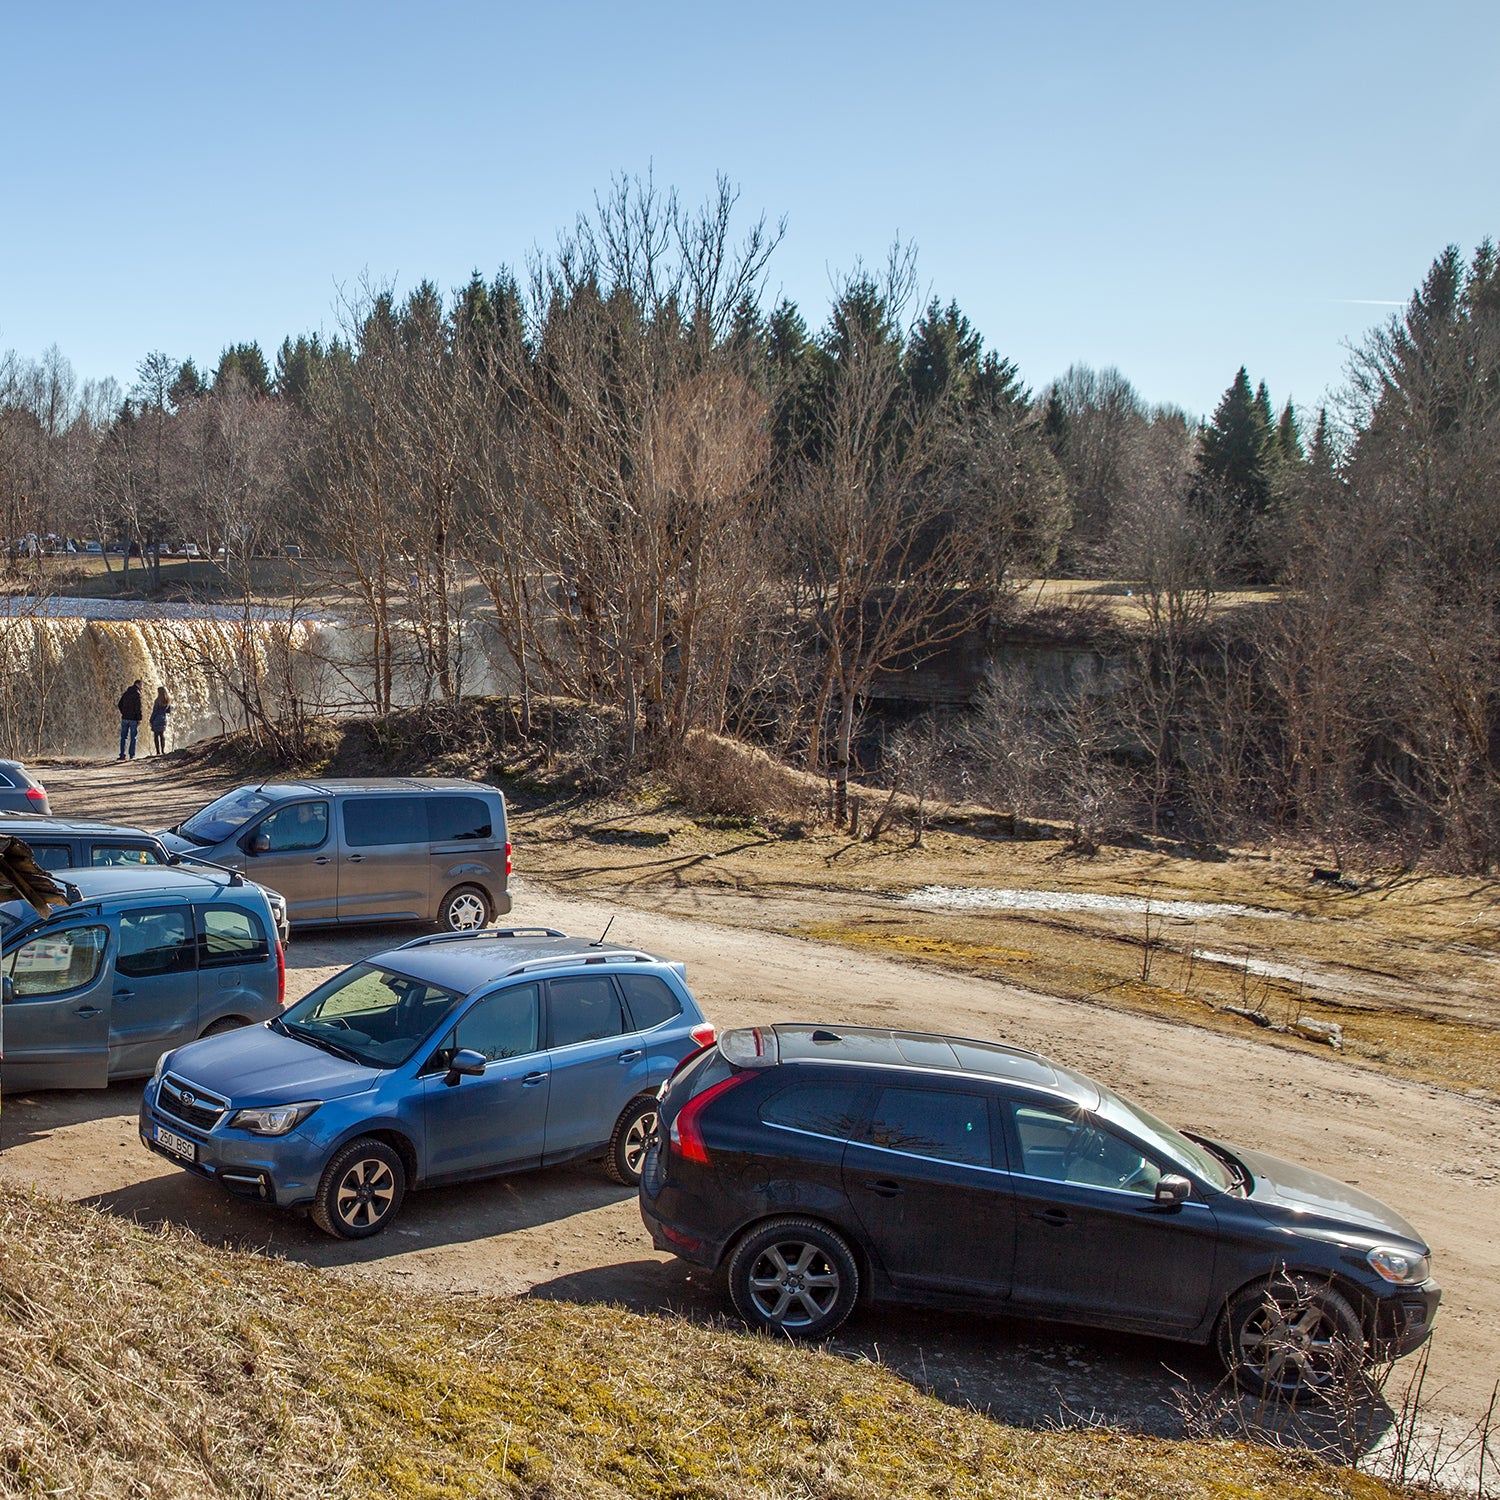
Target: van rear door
467, 831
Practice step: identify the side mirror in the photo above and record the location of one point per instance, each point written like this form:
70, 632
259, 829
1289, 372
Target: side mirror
260, 843
9, 986
1172, 1190
465, 1063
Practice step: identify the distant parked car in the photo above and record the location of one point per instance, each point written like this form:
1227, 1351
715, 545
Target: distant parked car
70, 843
93, 549
454, 1057
20, 791
817, 1164
378, 849
142, 960
190, 549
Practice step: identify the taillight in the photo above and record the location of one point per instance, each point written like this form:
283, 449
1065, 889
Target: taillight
280, 973
685, 1135
705, 1034
510, 869
36, 794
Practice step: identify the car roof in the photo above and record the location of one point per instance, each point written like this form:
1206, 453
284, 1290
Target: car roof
123, 882
333, 785
883, 1047
464, 962
14, 822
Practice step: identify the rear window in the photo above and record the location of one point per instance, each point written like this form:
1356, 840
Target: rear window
821, 1108
650, 1000
384, 820
454, 818
230, 935
582, 1010
52, 856
155, 942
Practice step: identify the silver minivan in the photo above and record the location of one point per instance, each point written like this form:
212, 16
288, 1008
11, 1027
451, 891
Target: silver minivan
377, 850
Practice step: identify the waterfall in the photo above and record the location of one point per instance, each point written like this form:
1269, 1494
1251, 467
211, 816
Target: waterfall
65, 662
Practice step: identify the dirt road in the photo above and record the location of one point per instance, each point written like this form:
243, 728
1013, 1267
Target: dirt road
1433, 1155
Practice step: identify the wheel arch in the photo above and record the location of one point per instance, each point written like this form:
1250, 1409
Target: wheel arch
387, 1135
1365, 1306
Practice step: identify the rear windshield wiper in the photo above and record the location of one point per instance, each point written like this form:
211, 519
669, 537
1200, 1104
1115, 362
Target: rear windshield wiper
303, 1035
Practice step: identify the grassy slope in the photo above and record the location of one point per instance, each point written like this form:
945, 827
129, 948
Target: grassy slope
142, 1363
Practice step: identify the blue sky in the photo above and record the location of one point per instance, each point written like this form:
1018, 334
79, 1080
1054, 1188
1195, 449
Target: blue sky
1173, 188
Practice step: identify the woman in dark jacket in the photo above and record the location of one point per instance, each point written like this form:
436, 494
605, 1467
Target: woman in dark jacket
159, 711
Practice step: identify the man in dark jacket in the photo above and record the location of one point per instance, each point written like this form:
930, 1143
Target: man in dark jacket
130, 716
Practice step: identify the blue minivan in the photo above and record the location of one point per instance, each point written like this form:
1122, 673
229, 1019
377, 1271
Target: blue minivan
456, 1056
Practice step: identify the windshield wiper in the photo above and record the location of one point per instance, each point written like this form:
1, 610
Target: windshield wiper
1241, 1172
303, 1035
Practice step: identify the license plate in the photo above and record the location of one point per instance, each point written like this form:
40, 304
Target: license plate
178, 1145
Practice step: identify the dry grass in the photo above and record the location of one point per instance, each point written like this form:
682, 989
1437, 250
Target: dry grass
142, 1363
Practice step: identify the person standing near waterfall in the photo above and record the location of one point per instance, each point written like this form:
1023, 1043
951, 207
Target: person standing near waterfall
159, 711
130, 717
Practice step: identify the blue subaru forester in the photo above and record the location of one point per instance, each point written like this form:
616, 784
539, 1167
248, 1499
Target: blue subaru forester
456, 1056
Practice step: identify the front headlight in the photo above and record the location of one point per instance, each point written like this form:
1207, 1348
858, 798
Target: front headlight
1400, 1266
273, 1119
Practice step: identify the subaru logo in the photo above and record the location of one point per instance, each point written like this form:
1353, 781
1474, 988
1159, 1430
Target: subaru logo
188, 1096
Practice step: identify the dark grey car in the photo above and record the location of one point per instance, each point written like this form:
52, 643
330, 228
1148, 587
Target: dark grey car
819, 1164
20, 791
395, 848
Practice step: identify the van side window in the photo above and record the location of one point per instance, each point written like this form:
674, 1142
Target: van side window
384, 820
57, 962
649, 999
110, 855
453, 818
582, 1010
230, 935
52, 856
155, 942
504, 1025
303, 825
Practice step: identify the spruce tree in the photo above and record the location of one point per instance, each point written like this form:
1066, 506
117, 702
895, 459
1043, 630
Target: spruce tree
1288, 438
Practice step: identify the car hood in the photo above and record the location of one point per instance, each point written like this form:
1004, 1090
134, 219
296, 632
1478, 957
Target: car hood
176, 844
1283, 1188
254, 1066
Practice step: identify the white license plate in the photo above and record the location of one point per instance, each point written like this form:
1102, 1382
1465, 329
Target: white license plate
178, 1145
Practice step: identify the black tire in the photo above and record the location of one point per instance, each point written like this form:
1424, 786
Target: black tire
465, 908
360, 1191
633, 1135
1289, 1339
225, 1023
794, 1277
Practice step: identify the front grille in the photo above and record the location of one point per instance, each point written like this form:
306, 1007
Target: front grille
178, 1098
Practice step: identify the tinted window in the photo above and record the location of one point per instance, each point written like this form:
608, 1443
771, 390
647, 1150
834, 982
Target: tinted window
504, 1025
582, 1010
303, 825
450, 818
230, 935
925, 1122
52, 856
822, 1108
384, 820
650, 1000
57, 962
1071, 1147
121, 854
5, 779
155, 942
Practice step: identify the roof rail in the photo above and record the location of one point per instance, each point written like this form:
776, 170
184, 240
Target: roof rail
482, 932
622, 956
235, 877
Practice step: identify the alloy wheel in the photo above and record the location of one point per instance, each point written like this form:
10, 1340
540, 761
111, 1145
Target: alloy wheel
793, 1284
365, 1193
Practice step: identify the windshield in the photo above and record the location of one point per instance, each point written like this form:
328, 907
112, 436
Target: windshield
218, 820
1168, 1142
371, 1015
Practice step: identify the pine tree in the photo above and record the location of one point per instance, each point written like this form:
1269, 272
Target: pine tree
1232, 451
249, 363
1288, 438
188, 386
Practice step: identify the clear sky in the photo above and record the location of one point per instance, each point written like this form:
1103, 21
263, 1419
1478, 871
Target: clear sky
1175, 187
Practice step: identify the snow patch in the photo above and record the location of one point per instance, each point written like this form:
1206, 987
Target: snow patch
980, 898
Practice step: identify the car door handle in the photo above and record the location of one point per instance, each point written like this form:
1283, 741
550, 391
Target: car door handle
1054, 1216
355, 859
322, 859
631, 1056
88, 1012
884, 1188
124, 994
532, 1079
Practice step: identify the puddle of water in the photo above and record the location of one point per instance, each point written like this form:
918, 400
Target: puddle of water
981, 898
1252, 965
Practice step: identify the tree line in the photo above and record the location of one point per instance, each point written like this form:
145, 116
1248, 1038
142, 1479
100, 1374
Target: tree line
650, 487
